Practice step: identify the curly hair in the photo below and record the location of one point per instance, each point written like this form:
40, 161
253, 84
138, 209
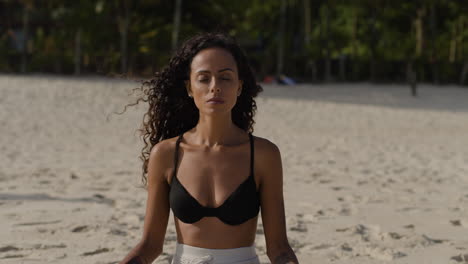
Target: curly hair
171, 112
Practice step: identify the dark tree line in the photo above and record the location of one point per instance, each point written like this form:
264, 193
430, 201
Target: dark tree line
312, 40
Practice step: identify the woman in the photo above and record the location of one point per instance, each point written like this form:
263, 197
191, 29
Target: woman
205, 164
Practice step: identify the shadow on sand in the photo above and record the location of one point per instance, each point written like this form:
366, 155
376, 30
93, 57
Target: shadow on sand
97, 198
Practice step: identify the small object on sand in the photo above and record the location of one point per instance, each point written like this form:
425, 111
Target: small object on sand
283, 79
269, 79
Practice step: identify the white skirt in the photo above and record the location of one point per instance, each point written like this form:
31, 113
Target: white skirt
186, 254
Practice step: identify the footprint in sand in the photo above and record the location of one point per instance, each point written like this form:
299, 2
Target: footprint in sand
431, 241
42, 230
347, 211
99, 198
170, 238
462, 258
80, 229
8, 248
38, 223
97, 251
325, 181
361, 182
346, 247
73, 176
458, 222
337, 188
382, 253
260, 231
296, 244
117, 232
44, 246
100, 189
318, 247
13, 256
370, 233
297, 224
132, 220
316, 174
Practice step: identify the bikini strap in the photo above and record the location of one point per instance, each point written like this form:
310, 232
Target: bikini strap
176, 156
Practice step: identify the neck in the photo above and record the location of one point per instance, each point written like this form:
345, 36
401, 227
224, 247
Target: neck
214, 130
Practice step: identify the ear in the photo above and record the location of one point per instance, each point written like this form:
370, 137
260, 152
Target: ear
239, 90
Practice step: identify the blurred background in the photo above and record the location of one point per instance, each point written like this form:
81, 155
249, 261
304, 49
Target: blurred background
371, 174
308, 40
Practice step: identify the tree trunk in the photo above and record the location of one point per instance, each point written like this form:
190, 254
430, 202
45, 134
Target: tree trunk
419, 31
78, 52
314, 71
460, 32
123, 49
354, 45
307, 23
464, 73
280, 51
124, 21
373, 63
327, 46
433, 60
176, 25
25, 38
411, 78
311, 65
453, 44
342, 67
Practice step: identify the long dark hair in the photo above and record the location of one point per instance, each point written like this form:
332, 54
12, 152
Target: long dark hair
171, 112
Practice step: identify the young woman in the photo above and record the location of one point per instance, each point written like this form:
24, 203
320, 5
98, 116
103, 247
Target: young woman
203, 162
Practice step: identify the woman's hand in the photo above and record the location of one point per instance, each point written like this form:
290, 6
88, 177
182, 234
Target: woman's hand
284, 256
135, 260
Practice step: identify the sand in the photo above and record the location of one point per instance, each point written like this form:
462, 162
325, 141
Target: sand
371, 175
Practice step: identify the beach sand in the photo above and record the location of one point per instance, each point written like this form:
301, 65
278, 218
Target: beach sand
371, 174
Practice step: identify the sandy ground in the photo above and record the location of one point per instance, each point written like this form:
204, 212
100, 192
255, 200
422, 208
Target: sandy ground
371, 175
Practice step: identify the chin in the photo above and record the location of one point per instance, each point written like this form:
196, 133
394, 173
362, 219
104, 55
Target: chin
217, 111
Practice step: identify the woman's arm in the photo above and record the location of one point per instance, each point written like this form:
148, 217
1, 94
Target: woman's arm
272, 204
157, 208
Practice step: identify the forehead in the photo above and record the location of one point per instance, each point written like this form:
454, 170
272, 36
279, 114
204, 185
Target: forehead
213, 59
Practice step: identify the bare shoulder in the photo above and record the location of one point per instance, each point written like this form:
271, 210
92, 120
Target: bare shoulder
267, 159
163, 148
161, 158
265, 149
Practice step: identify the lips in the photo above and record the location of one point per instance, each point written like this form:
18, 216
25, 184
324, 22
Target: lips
216, 100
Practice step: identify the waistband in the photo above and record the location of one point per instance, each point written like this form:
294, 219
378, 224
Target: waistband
190, 254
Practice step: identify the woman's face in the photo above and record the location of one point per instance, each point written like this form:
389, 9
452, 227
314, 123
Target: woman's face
214, 81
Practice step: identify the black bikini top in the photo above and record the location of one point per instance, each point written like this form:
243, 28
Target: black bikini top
242, 205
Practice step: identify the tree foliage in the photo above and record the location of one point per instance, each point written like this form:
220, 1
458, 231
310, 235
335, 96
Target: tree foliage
323, 39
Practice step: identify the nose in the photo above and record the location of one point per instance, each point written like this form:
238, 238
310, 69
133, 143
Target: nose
215, 89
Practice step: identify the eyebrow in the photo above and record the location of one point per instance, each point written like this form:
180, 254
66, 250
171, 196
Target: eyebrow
225, 69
